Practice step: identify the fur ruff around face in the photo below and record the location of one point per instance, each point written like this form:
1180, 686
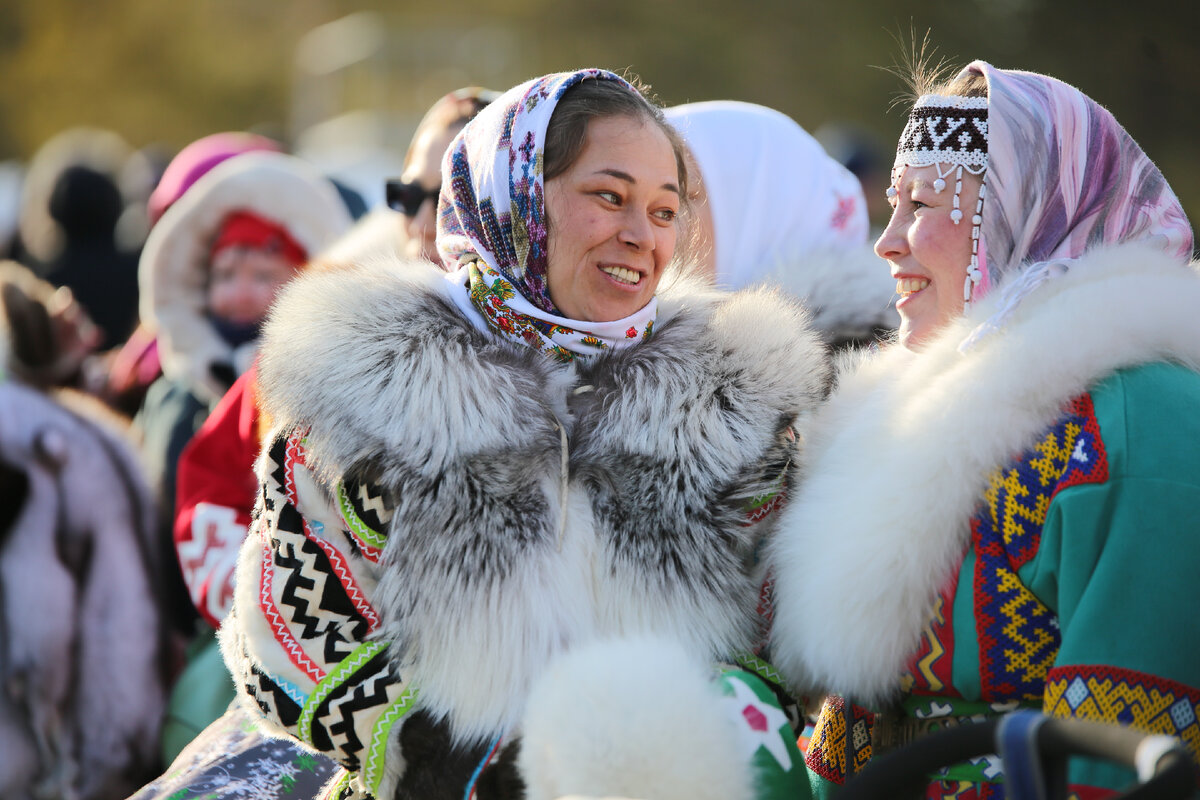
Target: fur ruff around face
173, 271
496, 559
899, 458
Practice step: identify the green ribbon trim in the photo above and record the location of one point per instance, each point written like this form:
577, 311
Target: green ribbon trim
761, 668
373, 769
360, 528
344, 671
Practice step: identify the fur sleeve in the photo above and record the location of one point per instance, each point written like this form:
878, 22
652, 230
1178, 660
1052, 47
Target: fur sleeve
303, 640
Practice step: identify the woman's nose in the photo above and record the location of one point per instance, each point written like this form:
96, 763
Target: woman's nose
636, 231
892, 243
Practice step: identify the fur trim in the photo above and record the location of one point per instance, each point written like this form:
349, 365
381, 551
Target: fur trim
465, 434
849, 293
173, 271
901, 455
633, 718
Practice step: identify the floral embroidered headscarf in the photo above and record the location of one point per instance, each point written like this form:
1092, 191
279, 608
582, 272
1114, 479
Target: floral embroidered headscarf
492, 223
1063, 177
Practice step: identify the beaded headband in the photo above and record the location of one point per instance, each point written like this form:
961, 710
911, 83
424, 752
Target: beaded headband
950, 131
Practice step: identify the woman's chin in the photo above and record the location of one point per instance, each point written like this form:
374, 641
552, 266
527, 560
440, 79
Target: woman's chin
914, 333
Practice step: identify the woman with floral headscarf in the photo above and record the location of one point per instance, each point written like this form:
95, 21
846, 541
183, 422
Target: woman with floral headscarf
472, 474
1029, 538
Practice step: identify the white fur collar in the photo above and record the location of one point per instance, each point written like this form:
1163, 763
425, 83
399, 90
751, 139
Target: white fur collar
899, 457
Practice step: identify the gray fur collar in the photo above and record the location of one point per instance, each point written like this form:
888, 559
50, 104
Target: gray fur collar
900, 456
491, 567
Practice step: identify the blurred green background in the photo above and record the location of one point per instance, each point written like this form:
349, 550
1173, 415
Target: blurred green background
165, 73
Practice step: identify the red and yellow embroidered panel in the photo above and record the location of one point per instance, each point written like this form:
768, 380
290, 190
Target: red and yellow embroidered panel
930, 671
843, 731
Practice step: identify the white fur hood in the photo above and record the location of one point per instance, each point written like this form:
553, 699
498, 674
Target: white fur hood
899, 457
173, 270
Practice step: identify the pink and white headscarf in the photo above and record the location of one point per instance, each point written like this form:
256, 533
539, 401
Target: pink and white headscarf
1063, 177
492, 222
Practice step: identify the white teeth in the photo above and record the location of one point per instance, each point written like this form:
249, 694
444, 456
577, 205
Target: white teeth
622, 274
910, 285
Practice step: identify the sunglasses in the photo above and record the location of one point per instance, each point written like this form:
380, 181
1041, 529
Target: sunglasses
407, 198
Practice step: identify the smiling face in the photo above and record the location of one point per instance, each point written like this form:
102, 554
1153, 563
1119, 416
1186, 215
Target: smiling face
611, 219
927, 252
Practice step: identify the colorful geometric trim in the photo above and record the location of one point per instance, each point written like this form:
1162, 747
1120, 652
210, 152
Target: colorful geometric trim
761, 668
345, 720
1018, 634
279, 627
770, 500
373, 770
294, 455
272, 696
313, 599
930, 670
841, 737
369, 541
765, 611
1127, 697
1089, 459
344, 671
338, 566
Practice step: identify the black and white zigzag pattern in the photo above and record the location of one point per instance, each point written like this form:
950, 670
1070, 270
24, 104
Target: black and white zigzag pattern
272, 700
369, 503
365, 692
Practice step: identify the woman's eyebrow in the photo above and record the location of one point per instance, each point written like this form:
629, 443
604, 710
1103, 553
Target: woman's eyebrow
627, 178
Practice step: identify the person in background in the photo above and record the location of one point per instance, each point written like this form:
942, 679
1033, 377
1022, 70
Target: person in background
773, 207
415, 193
135, 366
209, 271
70, 209
999, 511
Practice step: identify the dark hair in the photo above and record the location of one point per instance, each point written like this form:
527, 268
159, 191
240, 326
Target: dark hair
595, 99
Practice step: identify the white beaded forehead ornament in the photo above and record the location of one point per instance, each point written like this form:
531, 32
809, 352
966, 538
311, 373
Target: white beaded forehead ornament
948, 131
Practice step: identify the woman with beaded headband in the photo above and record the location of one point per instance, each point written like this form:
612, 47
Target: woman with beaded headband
1029, 538
477, 481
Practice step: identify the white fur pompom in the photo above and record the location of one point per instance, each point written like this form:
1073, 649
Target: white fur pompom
634, 718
